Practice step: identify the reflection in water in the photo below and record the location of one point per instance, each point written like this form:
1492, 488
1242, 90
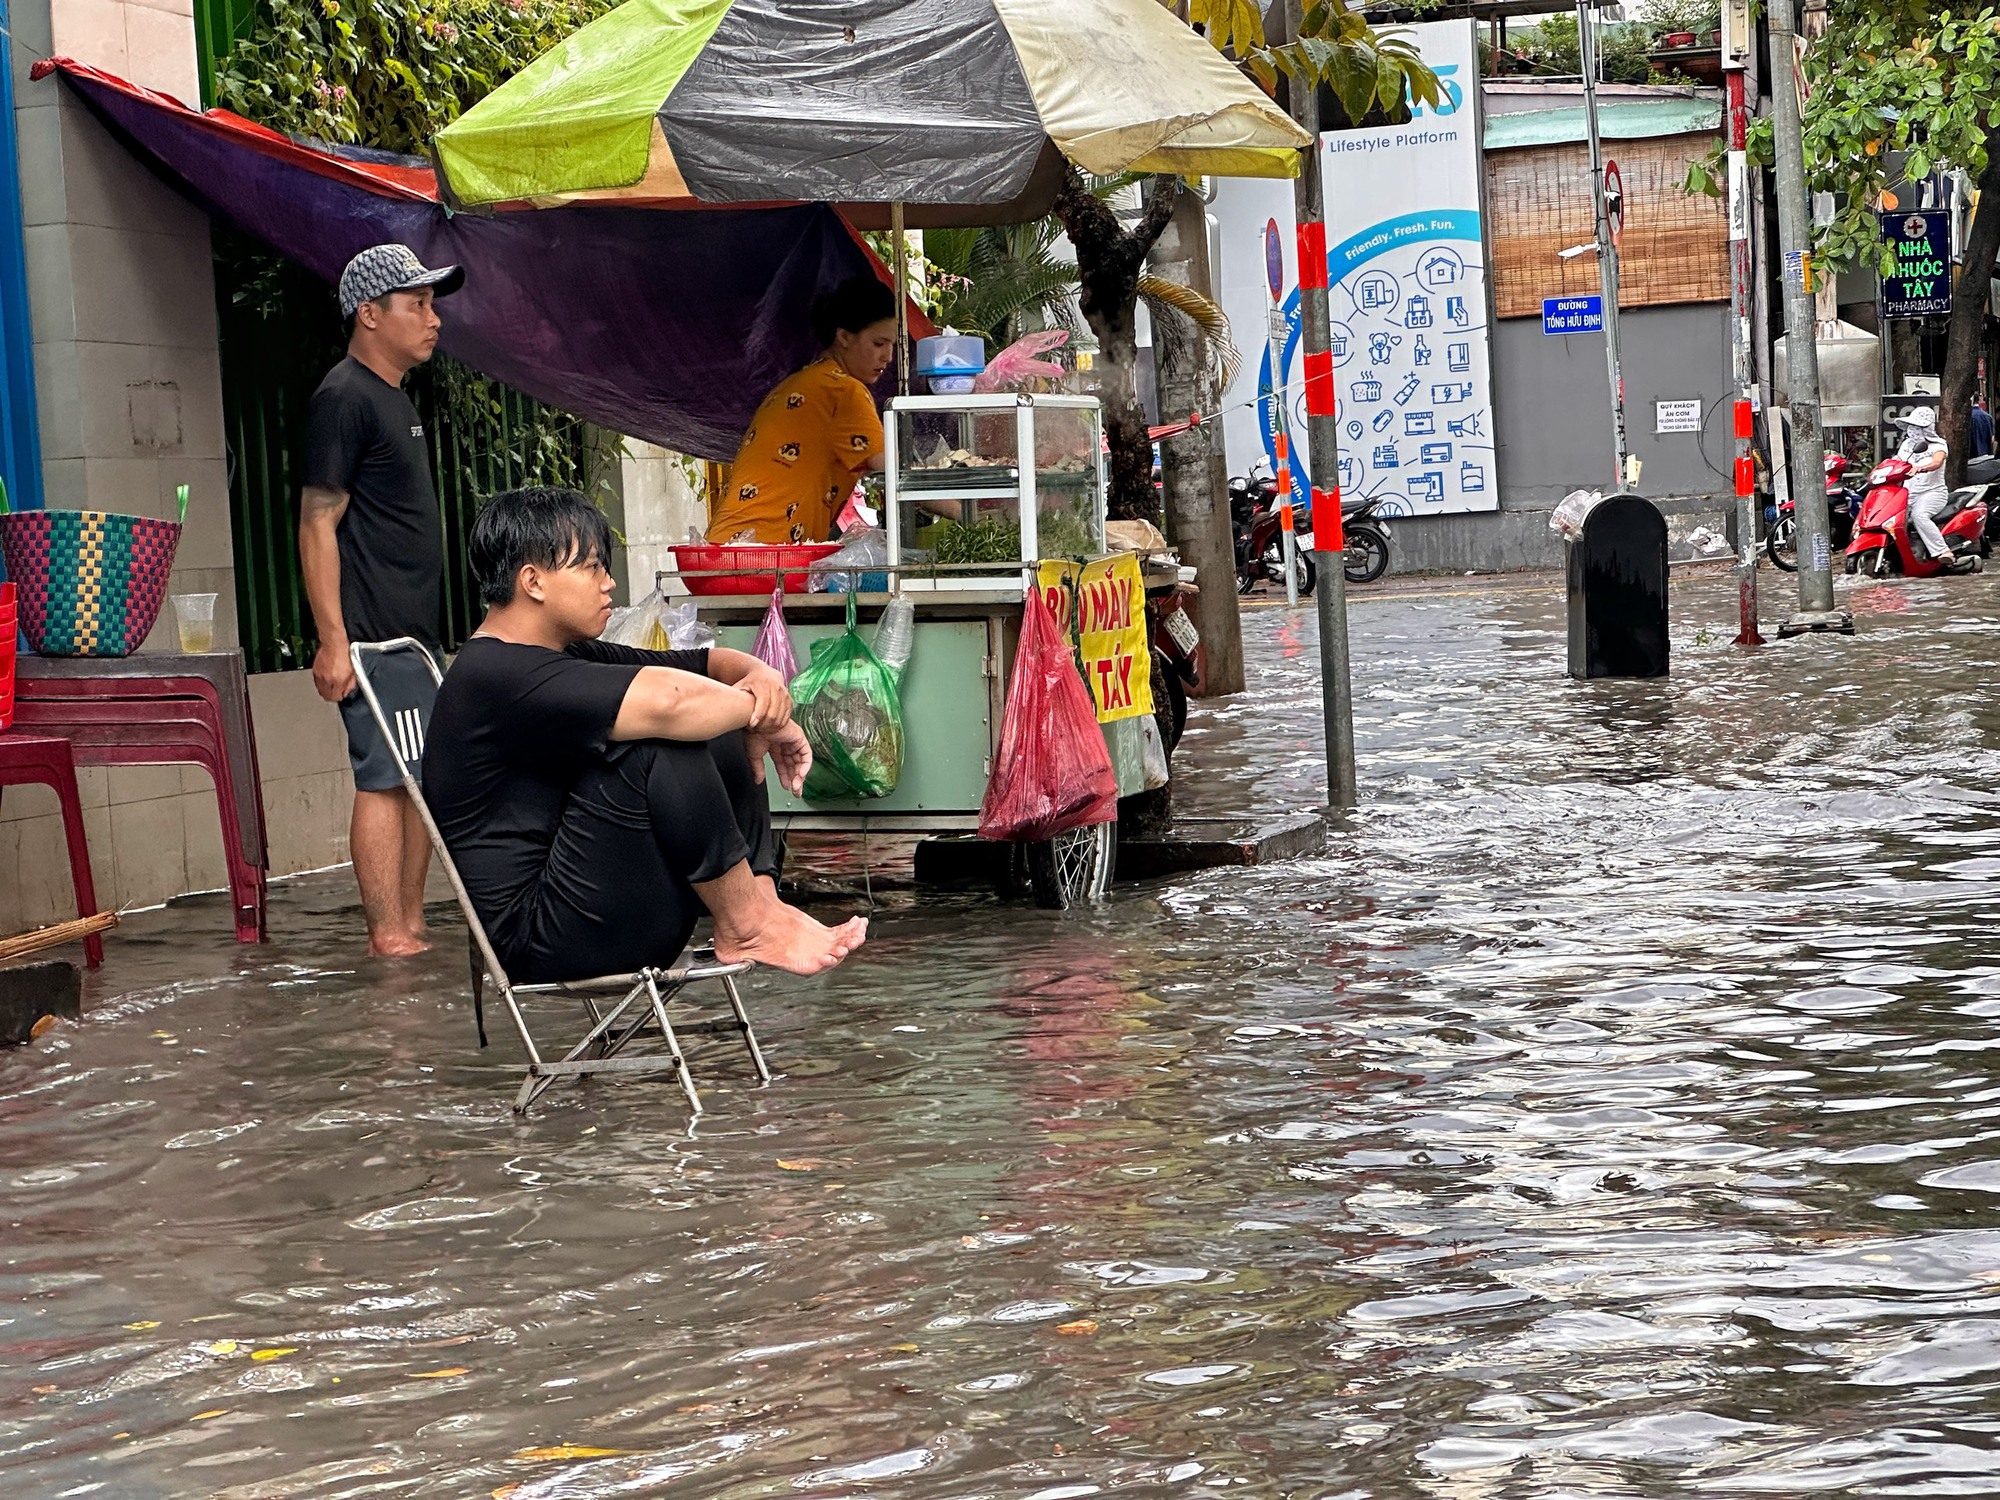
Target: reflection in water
1605, 1114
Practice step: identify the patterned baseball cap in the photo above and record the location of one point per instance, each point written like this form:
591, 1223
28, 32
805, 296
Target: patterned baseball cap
382, 269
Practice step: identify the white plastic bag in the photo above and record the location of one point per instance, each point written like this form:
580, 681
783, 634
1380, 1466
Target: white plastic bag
683, 631
859, 567
638, 624
1153, 752
1566, 520
655, 625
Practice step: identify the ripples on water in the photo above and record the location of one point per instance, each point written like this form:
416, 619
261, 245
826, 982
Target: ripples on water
1608, 1113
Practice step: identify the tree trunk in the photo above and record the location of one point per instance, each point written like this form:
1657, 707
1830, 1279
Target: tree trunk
1108, 261
1194, 473
1968, 316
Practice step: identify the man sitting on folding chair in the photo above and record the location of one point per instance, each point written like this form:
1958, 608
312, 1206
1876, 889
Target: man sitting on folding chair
596, 798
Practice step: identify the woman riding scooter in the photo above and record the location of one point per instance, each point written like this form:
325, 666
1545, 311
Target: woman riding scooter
1926, 452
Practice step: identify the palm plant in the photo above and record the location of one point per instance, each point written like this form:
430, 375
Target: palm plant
1002, 282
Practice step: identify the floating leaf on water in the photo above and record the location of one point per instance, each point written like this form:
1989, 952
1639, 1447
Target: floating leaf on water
1079, 1326
43, 1026
271, 1353
801, 1164
505, 1490
203, 1416
44, 1390
440, 1374
142, 1325
223, 1346
568, 1450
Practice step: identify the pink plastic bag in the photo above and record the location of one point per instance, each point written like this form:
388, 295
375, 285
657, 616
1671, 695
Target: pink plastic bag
1020, 363
1053, 772
774, 642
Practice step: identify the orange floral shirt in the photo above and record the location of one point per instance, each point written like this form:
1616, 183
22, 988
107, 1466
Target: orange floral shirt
814, 433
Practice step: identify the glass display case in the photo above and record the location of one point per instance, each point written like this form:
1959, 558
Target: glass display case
978, 486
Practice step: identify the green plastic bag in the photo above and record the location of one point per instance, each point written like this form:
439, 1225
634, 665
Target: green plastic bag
849, 706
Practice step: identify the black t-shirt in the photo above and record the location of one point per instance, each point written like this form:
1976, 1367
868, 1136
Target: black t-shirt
364, 436
513, 728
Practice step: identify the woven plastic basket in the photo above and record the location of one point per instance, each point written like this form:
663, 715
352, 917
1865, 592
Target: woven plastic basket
8, 635
87, 583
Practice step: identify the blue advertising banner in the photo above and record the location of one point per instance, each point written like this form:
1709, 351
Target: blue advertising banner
1920, 283
1572, 315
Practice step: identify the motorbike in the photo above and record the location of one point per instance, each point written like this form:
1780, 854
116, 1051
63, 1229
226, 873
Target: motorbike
1882, 544
1253, 509
1257, 523
1367, 542
1180, 661
1781, 528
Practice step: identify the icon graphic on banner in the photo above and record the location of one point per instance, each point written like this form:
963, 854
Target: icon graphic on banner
1407, 390
1421, 352
1419, 315
1385, 457
1458, 357
1389, 507
1435, 453
1447, 395
1383, 420
1377, 292
1354, 431
1350, 472
1429, 488
1465, 426
1381, 347
1471, 476
1454, 309
1440, 268
1343, 342
1367, 388
1419, 423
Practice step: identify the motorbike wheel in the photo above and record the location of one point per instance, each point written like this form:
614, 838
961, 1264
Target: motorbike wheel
1367, 557
1781, 542
1073, 869
1274, 566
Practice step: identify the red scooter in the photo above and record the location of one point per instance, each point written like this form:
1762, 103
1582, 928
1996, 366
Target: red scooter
1882, 543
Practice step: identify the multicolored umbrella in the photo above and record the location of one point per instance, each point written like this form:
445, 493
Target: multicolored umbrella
963, 110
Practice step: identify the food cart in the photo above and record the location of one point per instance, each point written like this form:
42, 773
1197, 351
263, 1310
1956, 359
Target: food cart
977, 490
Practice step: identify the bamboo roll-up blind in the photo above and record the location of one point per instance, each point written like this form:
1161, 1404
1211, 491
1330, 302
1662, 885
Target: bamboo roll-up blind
1675, 247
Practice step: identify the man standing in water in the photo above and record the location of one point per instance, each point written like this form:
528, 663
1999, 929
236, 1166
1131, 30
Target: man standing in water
371, 546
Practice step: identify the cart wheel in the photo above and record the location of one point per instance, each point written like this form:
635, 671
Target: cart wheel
1074, 868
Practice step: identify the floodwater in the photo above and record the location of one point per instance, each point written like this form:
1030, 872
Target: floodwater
1609, 1112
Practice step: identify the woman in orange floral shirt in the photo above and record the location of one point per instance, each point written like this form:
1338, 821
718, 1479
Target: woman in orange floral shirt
818, 430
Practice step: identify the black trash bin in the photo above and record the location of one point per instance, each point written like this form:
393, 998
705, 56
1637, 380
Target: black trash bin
1618, 591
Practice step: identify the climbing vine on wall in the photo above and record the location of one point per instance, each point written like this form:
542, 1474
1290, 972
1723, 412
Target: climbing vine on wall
389, 74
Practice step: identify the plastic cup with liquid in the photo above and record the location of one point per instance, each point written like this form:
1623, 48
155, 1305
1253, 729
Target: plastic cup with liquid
195, 614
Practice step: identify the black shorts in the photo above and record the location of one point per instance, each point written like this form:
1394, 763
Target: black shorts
404, 684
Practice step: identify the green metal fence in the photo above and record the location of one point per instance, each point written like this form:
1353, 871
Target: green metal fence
218, 26
275, 349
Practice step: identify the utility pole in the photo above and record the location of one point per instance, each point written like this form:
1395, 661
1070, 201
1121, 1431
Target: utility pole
1807, 456
1737, 37
1607, 248
1323, 437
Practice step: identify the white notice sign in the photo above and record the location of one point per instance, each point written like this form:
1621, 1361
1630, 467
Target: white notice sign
1677, 416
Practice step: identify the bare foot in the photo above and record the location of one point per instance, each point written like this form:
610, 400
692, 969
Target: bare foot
786, 938
397, 945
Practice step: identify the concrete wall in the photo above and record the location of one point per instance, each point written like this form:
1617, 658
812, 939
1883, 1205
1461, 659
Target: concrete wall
128, 388
660, 507
1552, 406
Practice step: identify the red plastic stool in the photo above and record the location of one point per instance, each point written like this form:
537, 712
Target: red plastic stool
36, 759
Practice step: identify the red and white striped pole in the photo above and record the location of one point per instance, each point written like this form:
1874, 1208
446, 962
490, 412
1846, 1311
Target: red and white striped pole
1323, 441
1739, 343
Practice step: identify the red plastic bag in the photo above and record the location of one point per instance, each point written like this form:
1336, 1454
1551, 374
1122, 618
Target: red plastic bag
1053, 772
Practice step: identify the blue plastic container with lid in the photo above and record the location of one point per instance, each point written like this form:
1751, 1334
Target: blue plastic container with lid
950, 354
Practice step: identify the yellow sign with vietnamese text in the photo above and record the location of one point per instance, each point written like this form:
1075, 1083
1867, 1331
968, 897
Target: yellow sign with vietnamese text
1109, 623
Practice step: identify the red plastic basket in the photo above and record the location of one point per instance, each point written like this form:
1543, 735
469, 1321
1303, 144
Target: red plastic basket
9, 633
763, 564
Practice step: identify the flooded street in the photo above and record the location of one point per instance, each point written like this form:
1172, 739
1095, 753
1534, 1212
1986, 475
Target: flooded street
1609, 1112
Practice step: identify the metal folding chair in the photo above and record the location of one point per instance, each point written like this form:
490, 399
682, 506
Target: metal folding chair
643, 1002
